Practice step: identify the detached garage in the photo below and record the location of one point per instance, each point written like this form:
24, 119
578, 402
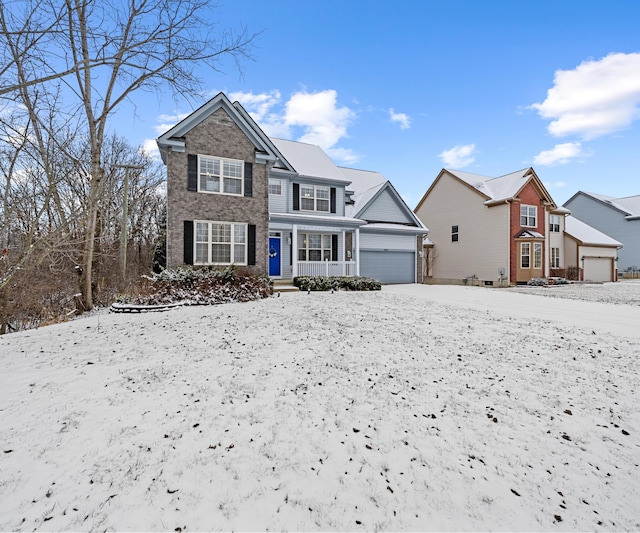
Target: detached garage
595, 253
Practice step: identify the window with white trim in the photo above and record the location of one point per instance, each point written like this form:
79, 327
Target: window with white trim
554, 223
314, 246
555, 257
314, 198
275, 187
220, 243
525, 255
537, 255
529, 216
219, 175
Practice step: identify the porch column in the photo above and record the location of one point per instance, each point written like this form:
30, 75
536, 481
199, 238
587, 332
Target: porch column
294, 251
356, 250
341, 256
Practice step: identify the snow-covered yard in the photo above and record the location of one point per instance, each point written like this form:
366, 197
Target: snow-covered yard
413, 408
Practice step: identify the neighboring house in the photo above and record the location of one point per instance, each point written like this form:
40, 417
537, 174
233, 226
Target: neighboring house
617, 217
282, 208
498, 231
591, 250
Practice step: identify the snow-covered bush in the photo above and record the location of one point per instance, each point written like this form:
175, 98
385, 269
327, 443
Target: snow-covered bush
538, 282
326, 283
202, 286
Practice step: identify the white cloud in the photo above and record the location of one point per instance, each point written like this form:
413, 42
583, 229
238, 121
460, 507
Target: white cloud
323, 122
345, 156
459, 156
150, 146
555, 184
401, 118
559, 154
313, 118
595, 98
258, 105
166, 122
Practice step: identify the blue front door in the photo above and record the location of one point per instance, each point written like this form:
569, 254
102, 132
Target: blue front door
274, 256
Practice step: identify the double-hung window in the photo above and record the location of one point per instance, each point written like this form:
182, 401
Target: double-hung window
528, 216
555, 257
314, 247
275, 187
220, 243
525, 255
220, 175
314, 198
554, 223
454, 233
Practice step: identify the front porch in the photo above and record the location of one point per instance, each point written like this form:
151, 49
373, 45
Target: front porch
319, 247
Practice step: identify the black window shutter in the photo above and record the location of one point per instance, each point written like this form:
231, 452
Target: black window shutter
291, 251
192, 172
248, 178
251, 245
332, 196
296, 197
334, 247
188, 242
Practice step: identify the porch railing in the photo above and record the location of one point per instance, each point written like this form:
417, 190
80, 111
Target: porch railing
326, 268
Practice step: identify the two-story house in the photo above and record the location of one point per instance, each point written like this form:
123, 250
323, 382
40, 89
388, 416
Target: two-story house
617, 217
278, 207
503, 231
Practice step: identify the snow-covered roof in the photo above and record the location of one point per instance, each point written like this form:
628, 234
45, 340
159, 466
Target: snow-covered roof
496, 189
309, 160
629, 204
364, 185
587, 234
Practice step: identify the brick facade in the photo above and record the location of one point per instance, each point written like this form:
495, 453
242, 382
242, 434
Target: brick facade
217, 135
529, 195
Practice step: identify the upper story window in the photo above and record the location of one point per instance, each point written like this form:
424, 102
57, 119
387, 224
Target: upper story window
529, 216
554, 223
275, 187
454, 233
219, 175
314, 198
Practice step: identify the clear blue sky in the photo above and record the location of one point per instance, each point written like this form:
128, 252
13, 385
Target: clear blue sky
406, 88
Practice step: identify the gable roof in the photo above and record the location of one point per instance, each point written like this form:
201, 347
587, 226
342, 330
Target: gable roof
496, 190
503, 188
586, 234
367, 187
174, 137
629, 205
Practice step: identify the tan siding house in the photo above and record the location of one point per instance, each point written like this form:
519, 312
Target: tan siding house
498, 231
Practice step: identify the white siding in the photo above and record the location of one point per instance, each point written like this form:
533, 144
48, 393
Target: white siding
483, 245
375, 241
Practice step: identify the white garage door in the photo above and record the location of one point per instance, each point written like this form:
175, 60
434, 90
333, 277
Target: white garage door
388, 266
598, 269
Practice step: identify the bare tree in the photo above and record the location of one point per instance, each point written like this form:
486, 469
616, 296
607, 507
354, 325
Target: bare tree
104, 51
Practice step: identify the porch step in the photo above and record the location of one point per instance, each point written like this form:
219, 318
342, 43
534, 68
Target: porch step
284, 285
